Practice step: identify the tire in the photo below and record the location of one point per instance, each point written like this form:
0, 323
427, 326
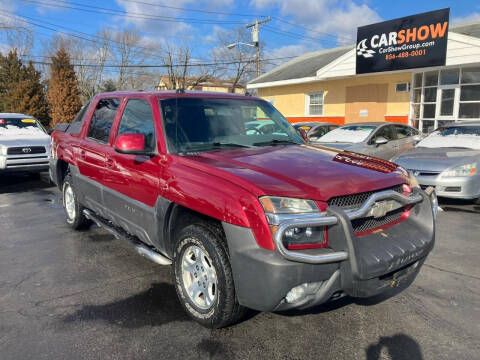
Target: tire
73, 210
201, 251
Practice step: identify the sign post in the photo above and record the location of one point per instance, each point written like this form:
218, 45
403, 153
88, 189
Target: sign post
406, 43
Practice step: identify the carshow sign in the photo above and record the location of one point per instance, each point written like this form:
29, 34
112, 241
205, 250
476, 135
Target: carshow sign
405, 43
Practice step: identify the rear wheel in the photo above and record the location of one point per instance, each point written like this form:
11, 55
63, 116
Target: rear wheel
73, 210
203, 277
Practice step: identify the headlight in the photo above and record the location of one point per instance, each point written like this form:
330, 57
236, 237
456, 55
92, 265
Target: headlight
296, 238
462, 170
283, 205
3, 150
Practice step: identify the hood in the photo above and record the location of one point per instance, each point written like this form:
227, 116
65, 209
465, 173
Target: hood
301, 171
23, 137
436, 159
336, 145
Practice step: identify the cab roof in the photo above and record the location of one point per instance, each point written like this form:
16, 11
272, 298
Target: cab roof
181, 94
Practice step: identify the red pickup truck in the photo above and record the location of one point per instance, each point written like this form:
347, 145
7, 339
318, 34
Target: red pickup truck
248, 218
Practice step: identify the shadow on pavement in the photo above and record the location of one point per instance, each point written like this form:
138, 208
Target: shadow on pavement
158, 305
10, 183
459, 205
398, 346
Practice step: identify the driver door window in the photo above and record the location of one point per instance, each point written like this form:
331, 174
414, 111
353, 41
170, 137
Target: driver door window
137, 118
385, 132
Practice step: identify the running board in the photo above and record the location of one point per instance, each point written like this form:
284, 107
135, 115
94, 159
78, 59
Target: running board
141, 248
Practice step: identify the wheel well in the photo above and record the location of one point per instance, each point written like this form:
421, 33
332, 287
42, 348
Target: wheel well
62, 169
180, 217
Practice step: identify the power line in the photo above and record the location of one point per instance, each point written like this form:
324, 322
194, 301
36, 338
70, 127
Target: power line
196, 10
282, 20
167, 65
107, 11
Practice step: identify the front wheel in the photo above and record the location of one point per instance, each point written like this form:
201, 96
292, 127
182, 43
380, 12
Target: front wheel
73, 210
203, 277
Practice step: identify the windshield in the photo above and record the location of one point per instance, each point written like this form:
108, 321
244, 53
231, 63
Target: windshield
349, 134
454, 136
206, 124
28, 126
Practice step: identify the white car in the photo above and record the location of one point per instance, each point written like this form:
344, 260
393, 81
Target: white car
24, 144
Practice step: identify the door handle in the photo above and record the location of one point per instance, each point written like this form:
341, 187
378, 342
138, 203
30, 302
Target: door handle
110, 163
82, 153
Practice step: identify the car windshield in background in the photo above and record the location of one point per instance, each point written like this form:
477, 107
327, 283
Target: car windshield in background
454, 136
348, 134
19, 125
206, 124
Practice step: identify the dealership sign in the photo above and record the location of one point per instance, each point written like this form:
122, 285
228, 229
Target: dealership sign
405, 43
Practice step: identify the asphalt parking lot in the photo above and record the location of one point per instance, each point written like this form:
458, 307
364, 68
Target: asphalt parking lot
86, 295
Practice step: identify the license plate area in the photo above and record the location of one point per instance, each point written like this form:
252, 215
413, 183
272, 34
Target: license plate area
382, 208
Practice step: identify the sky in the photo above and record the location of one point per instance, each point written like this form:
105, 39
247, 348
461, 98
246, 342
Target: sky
296, 26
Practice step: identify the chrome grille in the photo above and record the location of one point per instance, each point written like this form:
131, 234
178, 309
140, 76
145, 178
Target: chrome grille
365, 224
355, 201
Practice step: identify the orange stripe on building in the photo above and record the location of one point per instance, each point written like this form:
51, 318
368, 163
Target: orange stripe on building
402, 119
330, 119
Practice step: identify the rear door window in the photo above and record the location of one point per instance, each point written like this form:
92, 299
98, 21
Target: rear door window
76, 124
402, 131
102, 119
137, 118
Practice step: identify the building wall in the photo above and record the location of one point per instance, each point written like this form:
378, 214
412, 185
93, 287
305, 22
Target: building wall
290, 99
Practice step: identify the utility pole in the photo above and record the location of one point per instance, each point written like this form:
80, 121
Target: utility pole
255, 38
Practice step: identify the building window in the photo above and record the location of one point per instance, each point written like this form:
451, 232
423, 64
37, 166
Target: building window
315, 104
402, 87
445, 95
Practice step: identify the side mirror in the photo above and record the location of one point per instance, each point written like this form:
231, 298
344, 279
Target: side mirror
131, 144
380, 141
50, 131
303, 134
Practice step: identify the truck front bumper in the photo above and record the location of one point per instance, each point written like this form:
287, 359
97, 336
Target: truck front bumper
357, 266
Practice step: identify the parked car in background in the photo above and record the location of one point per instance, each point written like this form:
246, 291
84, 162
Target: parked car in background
24, 144
381, 139
315, 130
449, 160
257, 127
252, 220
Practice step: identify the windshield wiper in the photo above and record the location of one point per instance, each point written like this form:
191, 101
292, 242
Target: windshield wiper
229, 144
211, 146
275, 142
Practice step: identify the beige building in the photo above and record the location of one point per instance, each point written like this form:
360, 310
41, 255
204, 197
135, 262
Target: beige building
324, 86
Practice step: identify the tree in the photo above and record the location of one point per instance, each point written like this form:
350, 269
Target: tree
108, 86
21, 89
182, 71
89, 57
239, 60
63, 95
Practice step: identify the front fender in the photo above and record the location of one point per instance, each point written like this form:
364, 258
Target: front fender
218, 198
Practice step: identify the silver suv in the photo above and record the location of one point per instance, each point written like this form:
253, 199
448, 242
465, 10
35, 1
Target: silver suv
24, 144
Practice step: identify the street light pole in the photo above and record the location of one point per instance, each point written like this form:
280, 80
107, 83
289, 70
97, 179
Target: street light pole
255, 39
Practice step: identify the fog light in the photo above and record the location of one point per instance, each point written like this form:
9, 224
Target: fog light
296, 294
